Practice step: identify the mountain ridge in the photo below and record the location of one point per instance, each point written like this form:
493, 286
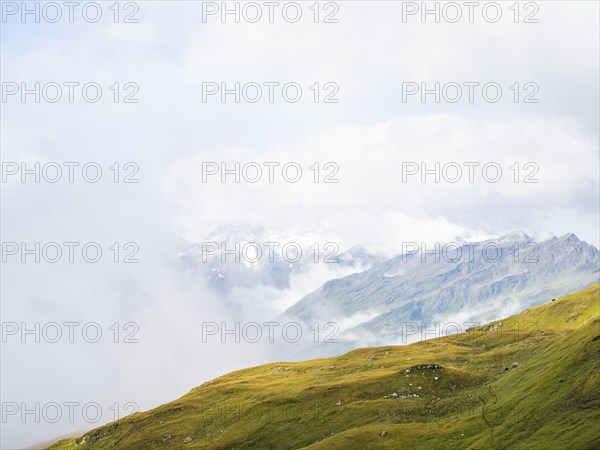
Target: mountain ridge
531, 379
408, 288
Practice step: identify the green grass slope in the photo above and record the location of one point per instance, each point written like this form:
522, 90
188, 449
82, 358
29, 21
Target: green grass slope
530, 381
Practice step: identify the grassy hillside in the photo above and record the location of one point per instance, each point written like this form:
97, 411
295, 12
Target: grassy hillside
530, 381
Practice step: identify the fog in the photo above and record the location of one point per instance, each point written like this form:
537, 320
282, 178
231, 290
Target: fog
369, 136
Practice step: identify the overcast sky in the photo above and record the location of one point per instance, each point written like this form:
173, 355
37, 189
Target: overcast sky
367, 137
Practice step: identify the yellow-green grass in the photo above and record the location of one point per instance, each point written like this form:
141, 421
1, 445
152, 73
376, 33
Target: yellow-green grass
549, 400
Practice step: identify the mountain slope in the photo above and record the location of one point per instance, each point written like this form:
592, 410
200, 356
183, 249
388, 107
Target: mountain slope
514, 273
529, 381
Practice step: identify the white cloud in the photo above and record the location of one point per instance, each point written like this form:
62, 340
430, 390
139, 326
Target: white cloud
369, 133
370, 161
